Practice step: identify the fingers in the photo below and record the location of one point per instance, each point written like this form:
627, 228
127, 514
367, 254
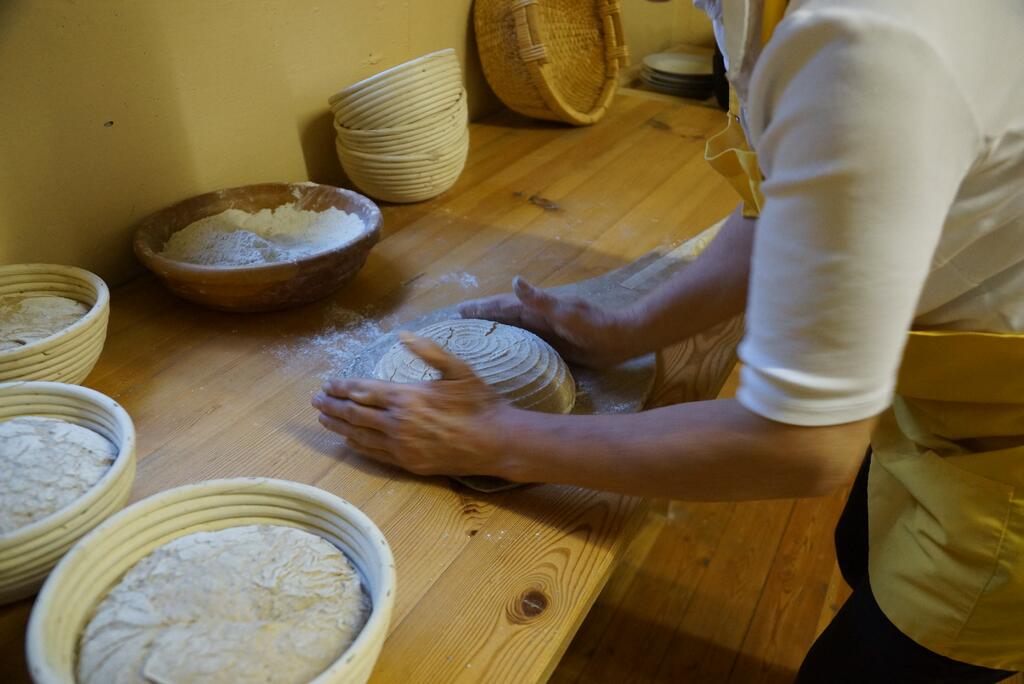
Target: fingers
376, 454
353, 433
354, 413
365, 392
534, 297
451, 367
503, 309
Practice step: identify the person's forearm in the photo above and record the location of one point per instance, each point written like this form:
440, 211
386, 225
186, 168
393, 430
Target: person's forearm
710, 290
712, 450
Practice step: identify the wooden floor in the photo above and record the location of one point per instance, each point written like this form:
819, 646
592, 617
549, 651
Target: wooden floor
714, 592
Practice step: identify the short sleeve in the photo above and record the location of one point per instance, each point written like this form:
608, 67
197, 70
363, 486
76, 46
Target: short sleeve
863, 138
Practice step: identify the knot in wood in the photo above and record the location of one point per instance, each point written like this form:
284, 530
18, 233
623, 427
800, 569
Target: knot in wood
528, 606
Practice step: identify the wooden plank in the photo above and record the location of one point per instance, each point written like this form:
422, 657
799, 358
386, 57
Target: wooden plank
778, 603
794, 594
569, 529
703, 646
644, 621
835, 596
601, 616
13, 622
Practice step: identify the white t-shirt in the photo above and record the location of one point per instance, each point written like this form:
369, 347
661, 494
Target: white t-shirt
891, 136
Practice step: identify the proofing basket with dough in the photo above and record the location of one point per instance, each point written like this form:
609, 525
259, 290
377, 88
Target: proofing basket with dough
552, 59
74, 589
70, 354
28, 553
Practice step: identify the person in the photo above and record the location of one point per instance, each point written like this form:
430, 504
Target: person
879, 257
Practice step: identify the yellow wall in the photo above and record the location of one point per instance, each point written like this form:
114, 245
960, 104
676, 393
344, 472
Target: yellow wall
201, 94
652, 26
116, 108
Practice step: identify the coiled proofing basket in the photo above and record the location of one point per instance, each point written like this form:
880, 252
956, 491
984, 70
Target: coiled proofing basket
552, 59
28, 553
70, 354
90, 570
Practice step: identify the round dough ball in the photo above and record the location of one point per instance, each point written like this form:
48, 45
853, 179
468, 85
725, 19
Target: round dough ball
24, 320
522, 367
257, 603
45, 464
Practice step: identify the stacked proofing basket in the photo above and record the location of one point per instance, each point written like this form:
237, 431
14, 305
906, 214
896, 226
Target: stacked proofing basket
402, 135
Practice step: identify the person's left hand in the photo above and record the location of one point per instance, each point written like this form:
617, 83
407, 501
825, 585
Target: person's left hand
428, 428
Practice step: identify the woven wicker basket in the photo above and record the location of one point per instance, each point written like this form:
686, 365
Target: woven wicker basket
552, 59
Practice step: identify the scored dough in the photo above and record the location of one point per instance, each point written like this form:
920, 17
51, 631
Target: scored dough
523, 368
258, 603
28, 319
45, 464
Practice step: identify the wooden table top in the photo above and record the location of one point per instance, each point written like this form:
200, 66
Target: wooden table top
490, 587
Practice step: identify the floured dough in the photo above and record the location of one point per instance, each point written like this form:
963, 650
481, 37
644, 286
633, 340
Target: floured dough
257, 603
45, 464
28, 319
523, 368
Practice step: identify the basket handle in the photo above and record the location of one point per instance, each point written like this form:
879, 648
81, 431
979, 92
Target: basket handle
531, 49
534, 55
617, 52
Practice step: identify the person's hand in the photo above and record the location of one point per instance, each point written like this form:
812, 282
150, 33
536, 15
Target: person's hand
580, 331
428, 428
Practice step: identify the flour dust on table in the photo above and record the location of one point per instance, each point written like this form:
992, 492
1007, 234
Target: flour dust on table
257, 603
524, 369
27, 319
343, 333
239, 238
46, 464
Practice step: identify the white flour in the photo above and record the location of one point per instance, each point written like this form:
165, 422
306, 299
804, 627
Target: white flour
343, 335
238, 238
465, 280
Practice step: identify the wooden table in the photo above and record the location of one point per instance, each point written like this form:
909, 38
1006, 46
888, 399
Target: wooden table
490, 587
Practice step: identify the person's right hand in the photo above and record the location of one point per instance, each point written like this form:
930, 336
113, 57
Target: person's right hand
582, 332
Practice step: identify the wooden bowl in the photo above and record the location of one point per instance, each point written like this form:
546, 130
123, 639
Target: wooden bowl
261, 287
69, 354
28, 553
85, 576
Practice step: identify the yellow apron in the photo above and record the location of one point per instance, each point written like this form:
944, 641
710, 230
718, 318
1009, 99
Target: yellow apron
946, 483
728, 151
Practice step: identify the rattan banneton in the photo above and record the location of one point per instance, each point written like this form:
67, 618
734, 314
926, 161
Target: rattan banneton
552, 59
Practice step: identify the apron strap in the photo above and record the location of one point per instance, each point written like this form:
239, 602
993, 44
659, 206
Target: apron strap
728, 151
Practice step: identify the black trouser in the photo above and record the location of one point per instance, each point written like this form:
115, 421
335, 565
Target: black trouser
860, 644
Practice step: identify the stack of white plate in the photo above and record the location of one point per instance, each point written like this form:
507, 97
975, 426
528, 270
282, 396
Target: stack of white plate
402, 134
679, 73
